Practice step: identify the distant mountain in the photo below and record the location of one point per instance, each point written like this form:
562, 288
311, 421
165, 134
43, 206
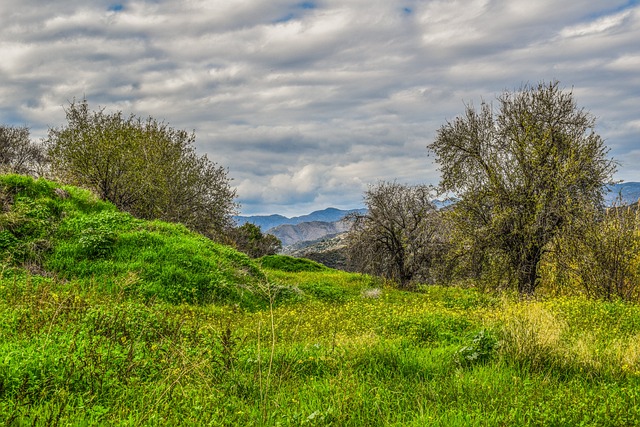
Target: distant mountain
290, 234
330, 251
297, 233
267, 222
629, 191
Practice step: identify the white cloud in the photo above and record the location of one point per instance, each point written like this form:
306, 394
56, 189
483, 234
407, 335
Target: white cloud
308, 105
600, 25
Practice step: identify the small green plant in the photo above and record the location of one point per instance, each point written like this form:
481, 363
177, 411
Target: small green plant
97, 242
479, 351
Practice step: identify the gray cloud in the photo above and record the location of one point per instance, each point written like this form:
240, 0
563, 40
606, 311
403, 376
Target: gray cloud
307, 103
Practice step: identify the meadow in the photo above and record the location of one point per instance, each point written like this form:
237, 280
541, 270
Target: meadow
110, 320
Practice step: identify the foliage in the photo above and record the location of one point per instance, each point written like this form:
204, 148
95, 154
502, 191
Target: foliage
524, 174
480, 350
72, 355
290, 264
144, 167
604, 260
248, 238
18, 154
400, 237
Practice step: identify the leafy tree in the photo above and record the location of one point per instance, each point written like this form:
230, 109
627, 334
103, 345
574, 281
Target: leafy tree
248, 238
144, 167
523, 175
399, 236
18, 154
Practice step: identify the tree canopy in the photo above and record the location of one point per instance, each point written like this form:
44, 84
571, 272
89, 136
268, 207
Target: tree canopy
143, 166
250, 239
524, 172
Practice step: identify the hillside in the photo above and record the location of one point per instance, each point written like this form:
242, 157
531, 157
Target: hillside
66, 232
308, 231
330, 251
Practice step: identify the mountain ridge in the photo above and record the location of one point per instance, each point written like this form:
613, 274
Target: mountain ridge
267, 222
298, 232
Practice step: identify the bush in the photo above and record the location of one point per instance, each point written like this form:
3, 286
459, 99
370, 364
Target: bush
290, 264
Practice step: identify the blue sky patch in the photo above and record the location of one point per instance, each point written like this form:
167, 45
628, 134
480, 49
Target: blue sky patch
307, 5
296, 11
116, 8
630, 4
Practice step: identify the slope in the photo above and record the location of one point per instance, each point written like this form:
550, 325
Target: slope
68, 233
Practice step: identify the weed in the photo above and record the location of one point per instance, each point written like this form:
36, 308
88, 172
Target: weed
479, 350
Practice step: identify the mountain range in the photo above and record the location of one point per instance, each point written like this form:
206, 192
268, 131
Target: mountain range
267, 222
298, 232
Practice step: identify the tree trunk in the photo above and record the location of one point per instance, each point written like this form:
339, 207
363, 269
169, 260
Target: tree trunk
528, 271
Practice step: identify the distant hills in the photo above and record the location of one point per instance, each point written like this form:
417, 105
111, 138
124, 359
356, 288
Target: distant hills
267, 222
301, 233
302, 230
629, 191
290, 234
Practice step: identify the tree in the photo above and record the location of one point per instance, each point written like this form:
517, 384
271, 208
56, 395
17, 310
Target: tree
523, 174
18, 154
248, 238
398, 238
144, 167
603, 258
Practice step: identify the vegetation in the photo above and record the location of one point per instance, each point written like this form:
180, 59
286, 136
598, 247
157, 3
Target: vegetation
107, 318
68, 233
100, 325
18, 154
400, 237
144, 167
526, 174
604, 259
248, 238
290, 264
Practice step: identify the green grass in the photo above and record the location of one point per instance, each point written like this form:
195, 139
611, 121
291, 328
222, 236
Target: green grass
109, 320
66, 232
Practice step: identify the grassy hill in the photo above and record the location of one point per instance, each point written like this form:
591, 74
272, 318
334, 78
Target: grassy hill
110, 320
66, 233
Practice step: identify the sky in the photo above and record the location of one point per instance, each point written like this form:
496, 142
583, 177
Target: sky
307, 103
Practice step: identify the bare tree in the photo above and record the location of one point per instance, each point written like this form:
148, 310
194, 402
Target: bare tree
18, 154
399, 236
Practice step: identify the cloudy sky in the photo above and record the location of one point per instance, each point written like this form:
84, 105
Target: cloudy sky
308, 102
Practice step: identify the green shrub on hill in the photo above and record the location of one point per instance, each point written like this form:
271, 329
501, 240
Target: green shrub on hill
290, 264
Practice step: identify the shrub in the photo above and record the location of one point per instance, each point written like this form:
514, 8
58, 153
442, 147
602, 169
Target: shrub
290, 264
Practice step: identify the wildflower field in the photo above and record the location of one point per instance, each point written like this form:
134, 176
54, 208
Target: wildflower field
133, 323
339, 350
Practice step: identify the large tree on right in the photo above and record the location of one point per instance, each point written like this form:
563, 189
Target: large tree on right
525, 171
